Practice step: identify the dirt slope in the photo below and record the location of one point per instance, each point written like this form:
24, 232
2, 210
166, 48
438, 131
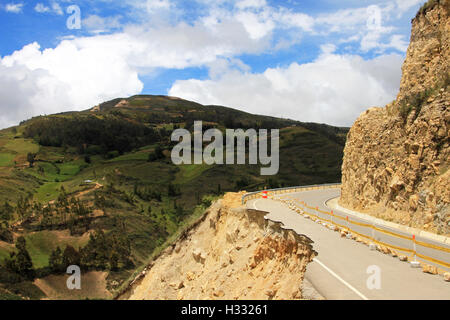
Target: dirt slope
233, 253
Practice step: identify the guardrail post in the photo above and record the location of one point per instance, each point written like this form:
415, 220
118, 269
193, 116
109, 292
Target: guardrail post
349, 235
372, 245
415, 263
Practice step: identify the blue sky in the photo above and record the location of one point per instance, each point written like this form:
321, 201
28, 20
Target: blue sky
323, 61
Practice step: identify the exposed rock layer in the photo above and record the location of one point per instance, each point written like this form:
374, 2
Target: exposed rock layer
234, 253
396, 158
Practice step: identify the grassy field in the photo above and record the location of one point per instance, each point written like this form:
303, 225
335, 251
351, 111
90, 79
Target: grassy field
138, 156
5, 250
6, 159
48, 191
22, 146
41, 244
190, 172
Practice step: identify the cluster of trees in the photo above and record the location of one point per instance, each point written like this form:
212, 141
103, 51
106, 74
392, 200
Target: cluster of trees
5, 233
157, 154
242, 182
173, 190
64, 213
6, 211
91, 134
20, 261
110, 251
147, 193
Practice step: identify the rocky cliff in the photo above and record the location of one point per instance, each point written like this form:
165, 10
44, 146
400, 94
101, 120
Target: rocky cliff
232, 253
396, 158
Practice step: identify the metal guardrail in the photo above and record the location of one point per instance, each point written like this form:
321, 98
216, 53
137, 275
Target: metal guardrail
413, 252
251, 195
349, 221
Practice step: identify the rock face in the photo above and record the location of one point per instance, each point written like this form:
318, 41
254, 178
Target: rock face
396, 158
233, 253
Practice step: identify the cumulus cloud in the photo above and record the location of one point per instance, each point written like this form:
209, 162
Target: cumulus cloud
97, 68
24, 92
41, 8
57, 8
97, 24
333, 89
154, 5
69, 77
14, 7
54, 7
405, 5
80, 72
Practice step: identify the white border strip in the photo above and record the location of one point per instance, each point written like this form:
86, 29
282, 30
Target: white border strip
341, 280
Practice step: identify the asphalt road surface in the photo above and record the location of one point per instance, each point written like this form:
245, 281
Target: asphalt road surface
346, 269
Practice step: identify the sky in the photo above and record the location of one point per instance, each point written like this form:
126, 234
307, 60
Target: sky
322, 61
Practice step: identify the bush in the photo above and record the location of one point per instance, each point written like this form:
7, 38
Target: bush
9, 277
112, 154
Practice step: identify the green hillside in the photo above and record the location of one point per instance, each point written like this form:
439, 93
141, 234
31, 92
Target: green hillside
102, 181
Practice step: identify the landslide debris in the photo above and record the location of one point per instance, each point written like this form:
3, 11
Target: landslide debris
232, 253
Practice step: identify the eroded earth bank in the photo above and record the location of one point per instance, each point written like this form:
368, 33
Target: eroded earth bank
230, 253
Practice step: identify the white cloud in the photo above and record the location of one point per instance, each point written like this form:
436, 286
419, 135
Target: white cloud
97, 68
14, 7
99, 24
154, 5
246, 4
83, 71
333, 89
367, 25
24, 92
55, 7
405, 5
41, 8
69, 77
256, 25
286, 18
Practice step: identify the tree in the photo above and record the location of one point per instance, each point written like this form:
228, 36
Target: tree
156, 155
114, 261
70, 257
20, 262
173, 190
31, 158
179, 211
6, 211
56, 260
5, 233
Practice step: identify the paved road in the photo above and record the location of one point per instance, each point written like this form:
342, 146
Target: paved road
320, 197
340, 271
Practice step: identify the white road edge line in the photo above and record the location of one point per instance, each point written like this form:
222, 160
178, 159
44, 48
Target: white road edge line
254, 204
348, 285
